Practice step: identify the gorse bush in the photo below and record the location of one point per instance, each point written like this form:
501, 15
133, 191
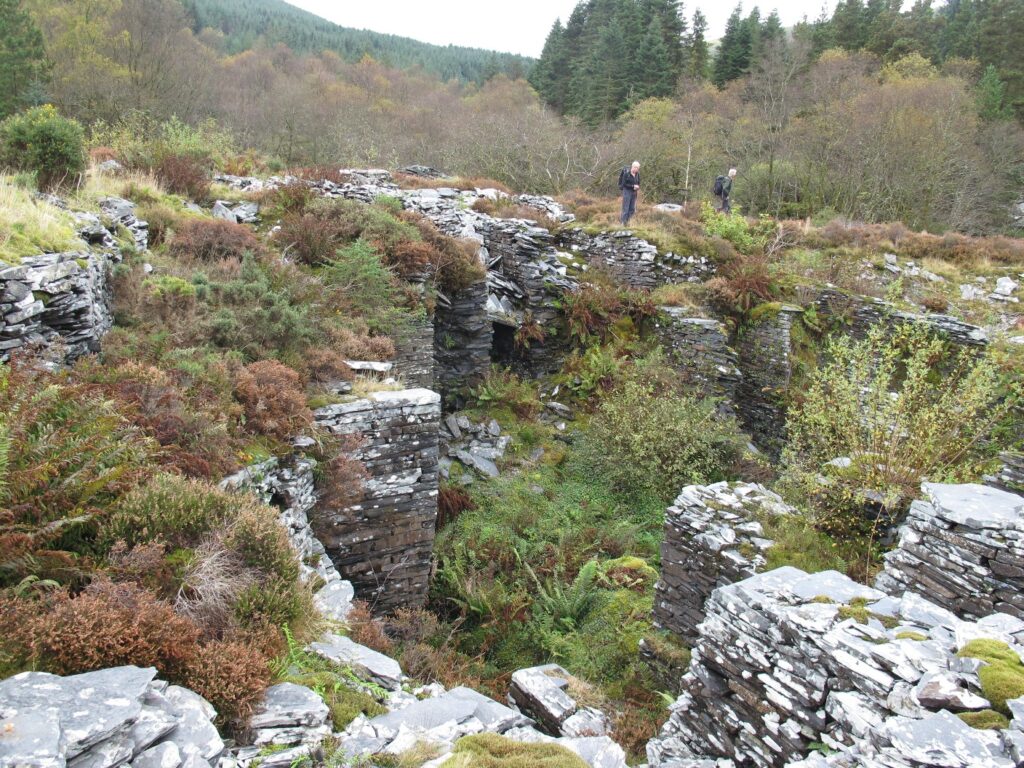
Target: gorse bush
40, 140
879, 403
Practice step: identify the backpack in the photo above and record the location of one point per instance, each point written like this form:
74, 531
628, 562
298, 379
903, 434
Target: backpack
622, 178
719, 187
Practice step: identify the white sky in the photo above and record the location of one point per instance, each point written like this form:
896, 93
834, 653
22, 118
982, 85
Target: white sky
519, 26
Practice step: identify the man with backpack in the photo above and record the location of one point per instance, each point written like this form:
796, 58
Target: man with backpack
629, 183
722, 190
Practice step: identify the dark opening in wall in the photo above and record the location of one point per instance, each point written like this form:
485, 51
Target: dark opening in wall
503, 343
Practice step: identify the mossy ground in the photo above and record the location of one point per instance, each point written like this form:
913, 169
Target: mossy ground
1002, 678
492, 751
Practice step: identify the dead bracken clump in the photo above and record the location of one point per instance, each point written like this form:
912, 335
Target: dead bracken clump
213, 240
272, 397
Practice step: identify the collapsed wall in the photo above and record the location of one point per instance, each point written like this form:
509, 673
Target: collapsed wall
963, 546
698, 348
383, 543
712, 538
634, 261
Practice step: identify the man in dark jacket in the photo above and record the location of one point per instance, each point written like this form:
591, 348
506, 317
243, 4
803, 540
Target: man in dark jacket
629, 183
727, 190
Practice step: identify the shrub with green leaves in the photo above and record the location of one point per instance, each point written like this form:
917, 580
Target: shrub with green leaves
651, 442
44, 142
902, 407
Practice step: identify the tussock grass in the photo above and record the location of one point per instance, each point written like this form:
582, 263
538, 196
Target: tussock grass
137, 186
29, 226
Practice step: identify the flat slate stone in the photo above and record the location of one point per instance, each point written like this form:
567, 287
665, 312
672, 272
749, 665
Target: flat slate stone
365, 662
92, 706
166, 755
832, 584
31, 739
288, 704
976, 506
943, 739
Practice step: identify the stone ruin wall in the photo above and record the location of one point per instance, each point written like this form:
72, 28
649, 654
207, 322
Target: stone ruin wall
384, 543
698, 348
776, 668
414, 363
634, 261
462, 340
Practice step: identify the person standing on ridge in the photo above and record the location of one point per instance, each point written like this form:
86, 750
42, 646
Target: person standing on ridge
629, 183
723, 189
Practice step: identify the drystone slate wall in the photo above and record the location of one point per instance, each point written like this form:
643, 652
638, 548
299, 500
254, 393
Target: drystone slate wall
712, 538
634, 260
766, 364
414, 355
964, 547
859, 314
462, 339
383, 544
699, 349
780, 667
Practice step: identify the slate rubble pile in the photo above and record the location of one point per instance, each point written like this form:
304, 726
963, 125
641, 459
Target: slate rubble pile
1011, 476
712, 538
473, 445
544, 693
780, 667
963, 545
104, 719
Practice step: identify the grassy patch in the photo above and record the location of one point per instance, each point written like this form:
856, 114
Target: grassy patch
799, 544
488, 750
29, 226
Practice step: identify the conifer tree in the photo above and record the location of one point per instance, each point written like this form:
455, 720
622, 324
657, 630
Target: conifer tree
659, 78
728, 61
991, 96
23, 67
699, 55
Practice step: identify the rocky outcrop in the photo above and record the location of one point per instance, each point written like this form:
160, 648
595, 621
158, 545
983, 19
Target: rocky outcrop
713, 537
699, 349
383, 544
104, 719
766, 364
963, 546
786, 661
633, 260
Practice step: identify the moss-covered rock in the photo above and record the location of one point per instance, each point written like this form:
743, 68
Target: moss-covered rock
488, 750
987, 719
1002, 678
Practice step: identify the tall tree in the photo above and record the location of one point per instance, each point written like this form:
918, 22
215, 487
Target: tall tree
659, 77
732, 49
698, 46
991, 96
23, 66
550, 75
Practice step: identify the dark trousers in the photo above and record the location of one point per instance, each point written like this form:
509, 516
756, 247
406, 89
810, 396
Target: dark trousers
726, 205
628, 205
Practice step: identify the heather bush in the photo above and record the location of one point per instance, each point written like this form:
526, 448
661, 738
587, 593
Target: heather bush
184, 175
107, 625
273, 400
176, 510
879, 403
213, 239
40, 140
262, 543
274, 603
232, 675
308, 238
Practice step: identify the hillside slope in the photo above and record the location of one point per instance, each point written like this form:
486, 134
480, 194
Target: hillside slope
244, 22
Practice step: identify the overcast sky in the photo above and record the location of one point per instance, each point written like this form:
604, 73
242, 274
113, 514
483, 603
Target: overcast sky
518, 26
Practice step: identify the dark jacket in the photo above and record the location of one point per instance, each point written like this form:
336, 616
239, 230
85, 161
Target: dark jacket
727, 187
627, 180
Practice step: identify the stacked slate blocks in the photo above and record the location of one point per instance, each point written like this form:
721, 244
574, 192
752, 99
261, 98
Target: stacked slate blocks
766, 364
780, 667
963, 546
712, 538
699, 349
383, 544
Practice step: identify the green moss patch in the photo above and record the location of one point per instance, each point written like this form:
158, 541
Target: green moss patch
986, 720
1003, 678
488, 750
